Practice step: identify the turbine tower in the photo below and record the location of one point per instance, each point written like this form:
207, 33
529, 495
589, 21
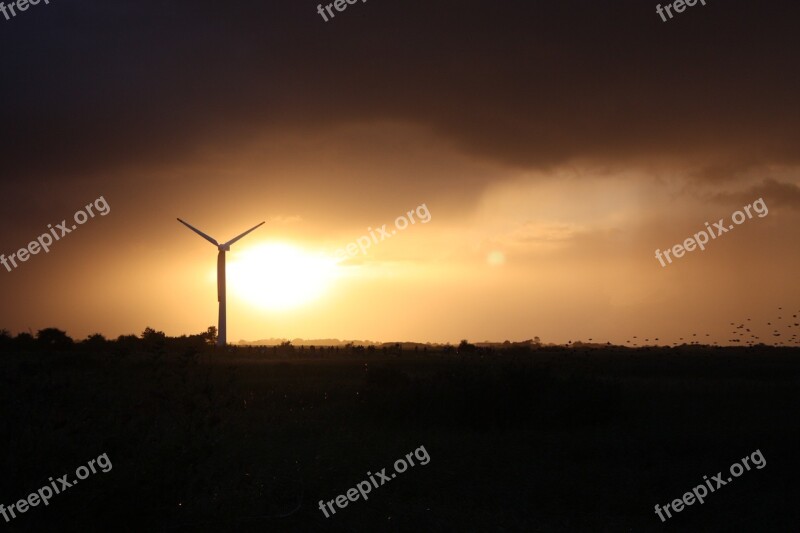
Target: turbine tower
222, 337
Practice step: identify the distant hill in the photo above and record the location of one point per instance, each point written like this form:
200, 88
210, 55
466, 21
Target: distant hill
337, 342
405, 345
309, 342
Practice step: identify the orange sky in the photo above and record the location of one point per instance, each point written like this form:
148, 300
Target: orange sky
552, 168
563, 254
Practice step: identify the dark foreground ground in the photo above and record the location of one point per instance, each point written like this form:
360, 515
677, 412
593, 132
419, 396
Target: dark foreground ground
540, 440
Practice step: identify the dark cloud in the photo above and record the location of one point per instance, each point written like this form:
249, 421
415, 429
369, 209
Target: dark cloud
89, 86
775, 193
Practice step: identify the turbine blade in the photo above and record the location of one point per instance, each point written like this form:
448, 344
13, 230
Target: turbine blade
203, 235
242, 235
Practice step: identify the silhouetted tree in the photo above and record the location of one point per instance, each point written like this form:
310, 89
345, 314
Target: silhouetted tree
154, 341
210, 335
465, 346
95, 343
5, 340
24, 341
286, 347
53, 339
125, 344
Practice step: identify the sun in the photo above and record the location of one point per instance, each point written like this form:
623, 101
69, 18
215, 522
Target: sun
279, 276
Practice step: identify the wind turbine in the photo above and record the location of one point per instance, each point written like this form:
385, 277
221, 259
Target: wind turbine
225, 247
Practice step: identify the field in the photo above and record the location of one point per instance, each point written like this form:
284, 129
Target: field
547, 439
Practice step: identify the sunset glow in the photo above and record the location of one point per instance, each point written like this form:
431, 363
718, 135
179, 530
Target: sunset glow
277, 276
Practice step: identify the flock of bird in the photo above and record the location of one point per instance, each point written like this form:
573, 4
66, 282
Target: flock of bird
785, 331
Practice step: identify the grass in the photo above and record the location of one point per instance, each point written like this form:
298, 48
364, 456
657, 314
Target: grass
523, 440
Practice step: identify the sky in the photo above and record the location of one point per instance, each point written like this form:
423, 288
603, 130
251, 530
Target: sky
554, 146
